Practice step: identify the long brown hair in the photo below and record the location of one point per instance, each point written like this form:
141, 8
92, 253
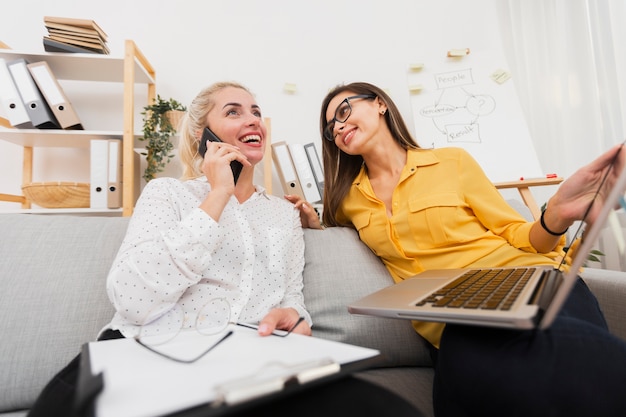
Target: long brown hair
340, 169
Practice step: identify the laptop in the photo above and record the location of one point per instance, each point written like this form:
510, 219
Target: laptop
524, 298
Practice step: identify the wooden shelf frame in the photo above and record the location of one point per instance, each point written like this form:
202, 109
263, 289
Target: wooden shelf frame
130, 70
132, 57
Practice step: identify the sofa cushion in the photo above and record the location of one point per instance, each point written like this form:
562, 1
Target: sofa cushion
609, 287
340, 269
53, 295
54, 300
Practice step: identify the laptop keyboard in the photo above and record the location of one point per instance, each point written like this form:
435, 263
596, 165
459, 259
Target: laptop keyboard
490, 289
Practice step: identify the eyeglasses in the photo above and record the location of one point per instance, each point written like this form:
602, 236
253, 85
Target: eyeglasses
342, 113
212, 320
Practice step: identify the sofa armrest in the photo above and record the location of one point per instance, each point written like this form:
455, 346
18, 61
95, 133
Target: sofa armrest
609, 288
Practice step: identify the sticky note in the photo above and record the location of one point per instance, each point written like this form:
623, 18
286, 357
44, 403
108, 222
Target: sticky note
416, 66
290, 88
458, 52
500, 75
416, 88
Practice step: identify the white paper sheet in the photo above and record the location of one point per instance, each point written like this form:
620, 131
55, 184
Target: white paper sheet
140, 383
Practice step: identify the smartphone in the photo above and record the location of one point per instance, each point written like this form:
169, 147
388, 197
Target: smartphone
235, 166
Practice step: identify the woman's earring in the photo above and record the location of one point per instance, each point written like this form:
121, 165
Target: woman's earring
383, 111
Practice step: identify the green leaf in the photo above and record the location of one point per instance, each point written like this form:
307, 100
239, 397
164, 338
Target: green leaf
157, 132
593, 258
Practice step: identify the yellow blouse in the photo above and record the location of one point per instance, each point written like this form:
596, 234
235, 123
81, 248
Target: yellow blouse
446, 213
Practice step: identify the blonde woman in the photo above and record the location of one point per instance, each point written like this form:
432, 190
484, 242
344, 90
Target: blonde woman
208, 237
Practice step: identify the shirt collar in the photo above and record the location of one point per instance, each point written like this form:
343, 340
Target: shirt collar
421, 157
414, 158
257, 188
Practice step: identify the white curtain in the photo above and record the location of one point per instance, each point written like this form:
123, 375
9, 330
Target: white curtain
568, 62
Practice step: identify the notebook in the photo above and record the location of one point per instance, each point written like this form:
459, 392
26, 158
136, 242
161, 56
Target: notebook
529, 297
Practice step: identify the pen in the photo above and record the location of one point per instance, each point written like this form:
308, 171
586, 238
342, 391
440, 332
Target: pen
279, 333
538, 178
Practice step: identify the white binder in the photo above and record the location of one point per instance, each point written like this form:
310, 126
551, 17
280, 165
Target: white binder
305, 173
40, 114
99, 178
12, 107
54, 95
286, 171
316, 167
114, 185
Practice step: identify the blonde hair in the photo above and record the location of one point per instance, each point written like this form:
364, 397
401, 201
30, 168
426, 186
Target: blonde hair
195, 121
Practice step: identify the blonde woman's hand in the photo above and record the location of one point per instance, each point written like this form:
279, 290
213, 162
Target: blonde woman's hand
283, 319
216, 165
216, 168
308, 215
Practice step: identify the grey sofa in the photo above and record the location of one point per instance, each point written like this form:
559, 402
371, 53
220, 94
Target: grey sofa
52, 286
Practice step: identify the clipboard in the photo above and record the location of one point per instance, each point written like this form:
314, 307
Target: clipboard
290, 389
123, 379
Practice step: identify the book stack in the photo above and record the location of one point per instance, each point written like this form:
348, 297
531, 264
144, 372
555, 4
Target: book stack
67, 34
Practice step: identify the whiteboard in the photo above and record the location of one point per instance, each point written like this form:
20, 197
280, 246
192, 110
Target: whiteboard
468, 102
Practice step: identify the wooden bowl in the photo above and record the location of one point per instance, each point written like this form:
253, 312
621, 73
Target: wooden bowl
58, 194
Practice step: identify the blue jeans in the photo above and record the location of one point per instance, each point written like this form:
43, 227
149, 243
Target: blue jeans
574, 368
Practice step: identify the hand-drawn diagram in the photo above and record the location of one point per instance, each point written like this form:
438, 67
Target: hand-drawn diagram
460, 102
457, 110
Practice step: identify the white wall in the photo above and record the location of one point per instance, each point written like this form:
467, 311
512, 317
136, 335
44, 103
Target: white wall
263, 44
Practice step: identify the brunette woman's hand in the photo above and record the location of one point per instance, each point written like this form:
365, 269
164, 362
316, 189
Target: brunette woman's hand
308, 215
576, 193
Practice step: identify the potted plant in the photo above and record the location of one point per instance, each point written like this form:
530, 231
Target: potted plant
158, 129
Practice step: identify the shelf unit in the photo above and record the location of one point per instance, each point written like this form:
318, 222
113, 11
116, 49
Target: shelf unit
130, 70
